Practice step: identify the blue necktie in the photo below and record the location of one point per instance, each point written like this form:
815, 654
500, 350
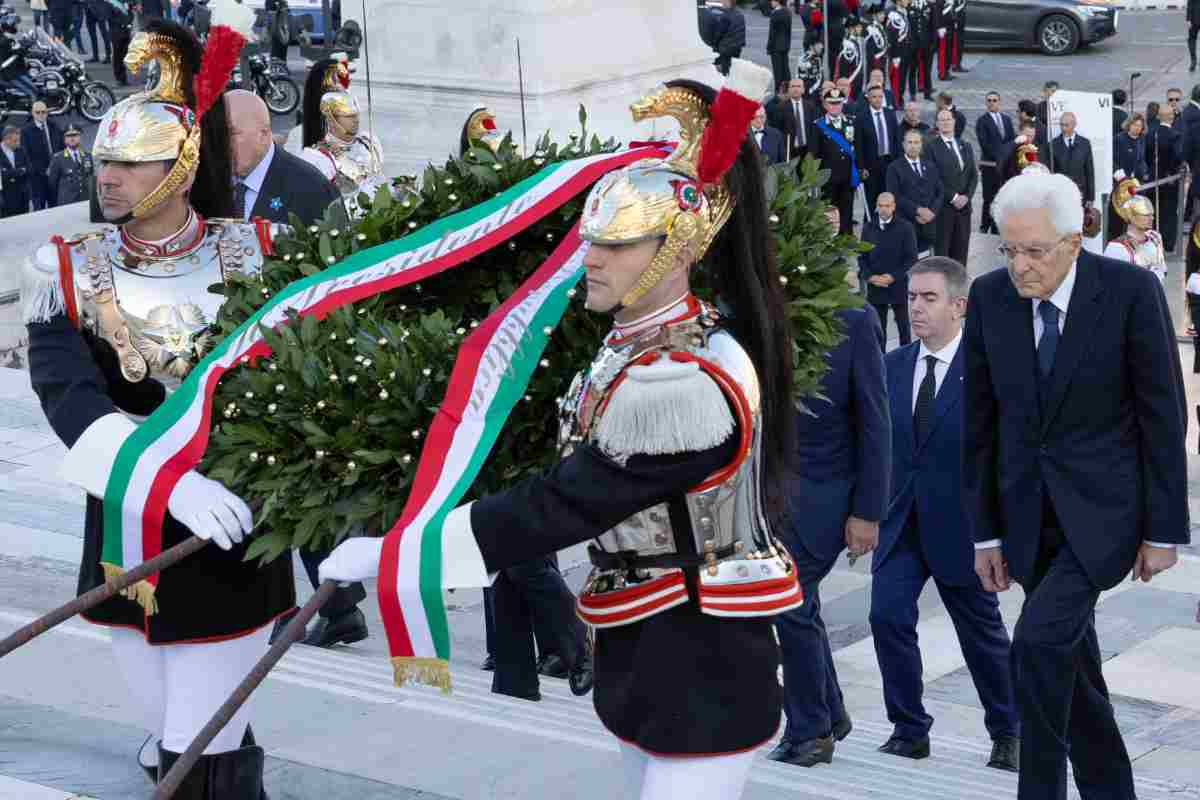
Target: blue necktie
1049, 343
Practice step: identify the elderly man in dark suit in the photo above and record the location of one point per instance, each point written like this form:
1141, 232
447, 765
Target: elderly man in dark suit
796, 115
956, 165
833, 502
917, 186
993, 130
884, 268
271, 182
41, 138
926, 533
1075, 422
1071, 155
880, 142
770, 141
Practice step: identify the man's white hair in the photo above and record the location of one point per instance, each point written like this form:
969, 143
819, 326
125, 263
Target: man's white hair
1057, 195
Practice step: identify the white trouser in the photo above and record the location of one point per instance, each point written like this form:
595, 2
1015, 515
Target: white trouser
178, 687
649, 777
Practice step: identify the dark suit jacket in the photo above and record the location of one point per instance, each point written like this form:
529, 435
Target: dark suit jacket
842, 447
1075, 164
894, 252
864, 128
789, 124
927, 474
779, 34
955, 180
913, 192
1103, 438
1130, 157
33, 143
15, 177
1119, 117
772, 144
991, 139
292, 185
1164, 152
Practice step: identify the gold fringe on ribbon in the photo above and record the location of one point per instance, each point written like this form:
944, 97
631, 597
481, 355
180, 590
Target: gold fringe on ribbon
425, 671
141, 592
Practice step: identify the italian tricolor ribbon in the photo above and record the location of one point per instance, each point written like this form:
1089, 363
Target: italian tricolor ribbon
173, 439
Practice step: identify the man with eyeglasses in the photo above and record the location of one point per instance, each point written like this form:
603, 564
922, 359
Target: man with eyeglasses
1175, 101
1075, 421
956, 165
993, 130
40, 139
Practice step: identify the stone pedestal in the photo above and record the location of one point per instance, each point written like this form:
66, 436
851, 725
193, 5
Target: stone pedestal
433, 62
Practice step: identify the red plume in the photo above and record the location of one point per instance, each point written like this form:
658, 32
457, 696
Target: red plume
729, 119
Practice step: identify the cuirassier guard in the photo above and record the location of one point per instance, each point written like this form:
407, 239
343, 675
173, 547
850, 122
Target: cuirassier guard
1140, 244
331, 137
670, 441
116, 317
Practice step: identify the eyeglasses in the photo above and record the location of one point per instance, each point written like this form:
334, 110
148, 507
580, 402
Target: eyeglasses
1034, 252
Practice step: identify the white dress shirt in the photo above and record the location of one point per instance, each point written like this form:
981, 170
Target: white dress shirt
1061, 299
940, 368
254, 181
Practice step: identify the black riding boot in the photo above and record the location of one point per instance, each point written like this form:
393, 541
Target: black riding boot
236, 775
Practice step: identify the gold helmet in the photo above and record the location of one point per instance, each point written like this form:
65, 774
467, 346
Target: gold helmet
163, 123
682, 197
1127, 202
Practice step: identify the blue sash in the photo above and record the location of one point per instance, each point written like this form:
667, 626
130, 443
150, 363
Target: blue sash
843, 145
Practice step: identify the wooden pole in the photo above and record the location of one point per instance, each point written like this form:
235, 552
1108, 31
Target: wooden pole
95, 597
291, 634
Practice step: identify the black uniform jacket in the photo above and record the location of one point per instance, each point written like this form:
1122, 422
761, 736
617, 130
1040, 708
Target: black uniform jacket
209, 596
679, 682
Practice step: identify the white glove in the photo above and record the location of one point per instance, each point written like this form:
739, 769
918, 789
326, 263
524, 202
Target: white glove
353, 560
209, 510
941, 33
1119, 175
895, 62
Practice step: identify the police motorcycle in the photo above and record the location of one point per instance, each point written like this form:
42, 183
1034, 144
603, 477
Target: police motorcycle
57, 75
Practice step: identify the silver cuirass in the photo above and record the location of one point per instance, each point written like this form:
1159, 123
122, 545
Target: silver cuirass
150, 301
641, 565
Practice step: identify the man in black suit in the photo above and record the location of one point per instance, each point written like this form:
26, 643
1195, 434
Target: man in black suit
40, 139
1120, 98
1071, 155
1164, 157
917, 186
884, 268
1075, 422
880, 142
956, 165
731, 36
926, 533
769, 140
14, 173
271, 183
993, 130
796, 115
779, 40
836, 145
833, 501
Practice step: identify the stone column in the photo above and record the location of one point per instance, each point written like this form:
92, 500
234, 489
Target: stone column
433, 62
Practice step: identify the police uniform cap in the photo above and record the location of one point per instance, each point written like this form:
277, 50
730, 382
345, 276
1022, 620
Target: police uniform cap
71, 131
834, 95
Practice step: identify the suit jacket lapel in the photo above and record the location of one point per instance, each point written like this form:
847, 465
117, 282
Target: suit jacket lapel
904, 400
265, 190
1082, 315
947, 397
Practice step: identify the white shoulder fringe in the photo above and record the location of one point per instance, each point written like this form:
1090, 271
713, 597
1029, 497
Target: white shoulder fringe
41, 288
664, 408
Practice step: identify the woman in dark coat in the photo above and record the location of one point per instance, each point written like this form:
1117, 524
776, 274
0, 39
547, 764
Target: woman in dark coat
1129, 161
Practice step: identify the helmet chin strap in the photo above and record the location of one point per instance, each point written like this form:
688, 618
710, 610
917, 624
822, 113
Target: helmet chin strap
682, 234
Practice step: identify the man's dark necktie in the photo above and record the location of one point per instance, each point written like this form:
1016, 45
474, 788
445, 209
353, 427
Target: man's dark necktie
239, 200
923, 413
1049, 342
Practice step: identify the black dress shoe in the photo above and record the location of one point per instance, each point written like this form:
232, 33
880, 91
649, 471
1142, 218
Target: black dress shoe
780, 750
552, 666
349, 628
807, 753
1006, 754
842, 728
906, 748
583, 674
489, 663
